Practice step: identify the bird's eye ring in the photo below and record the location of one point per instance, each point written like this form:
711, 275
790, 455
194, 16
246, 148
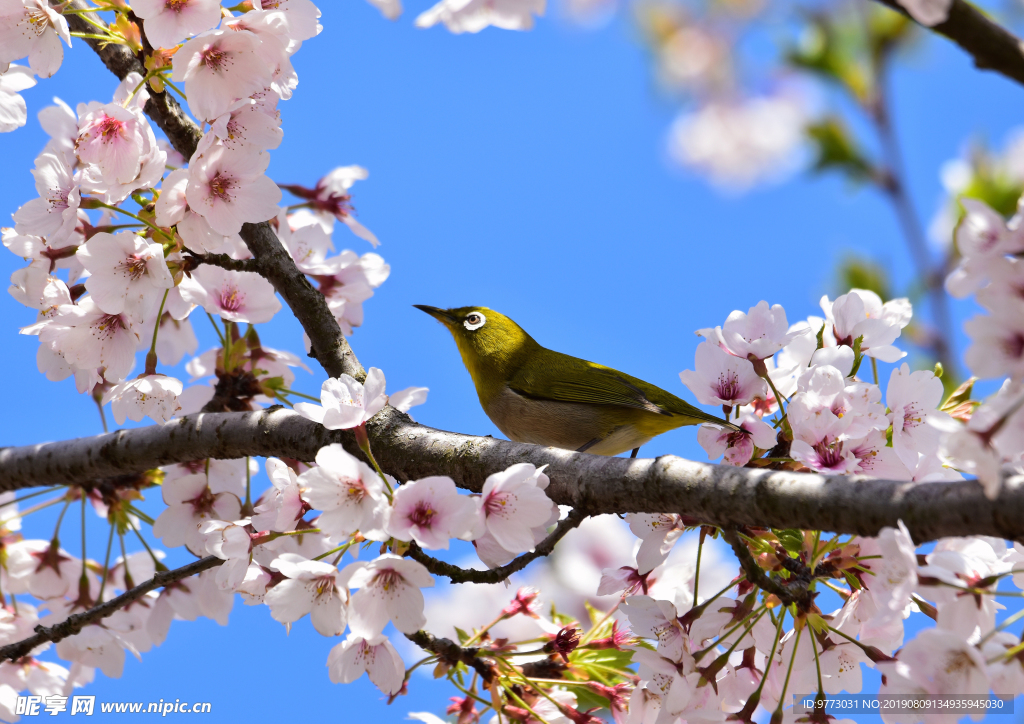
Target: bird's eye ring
474, 320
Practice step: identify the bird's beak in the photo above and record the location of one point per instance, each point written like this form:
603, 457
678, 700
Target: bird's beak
441, 315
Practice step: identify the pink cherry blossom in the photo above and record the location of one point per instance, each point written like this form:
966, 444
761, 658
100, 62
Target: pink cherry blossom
55, 213
154, 396
389, 590
311, 587
282, 506
375, 656
513, 502
88, 338
245, 124
33, 28
13, 112
659, 533
126, 271
738, 447
657, 620
40, 568
997, 344
472, 16
756, 334
300, 16
345, 402
218, 68
331, 200
168, 23
228, 188
430, 511
235, 296
936, 662
721, 378
112, 138
348, 491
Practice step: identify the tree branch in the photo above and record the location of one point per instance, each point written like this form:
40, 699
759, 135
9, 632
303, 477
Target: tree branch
794, 592
451, 653
992, 46
495, 575
719, 495
223, 261
77, 621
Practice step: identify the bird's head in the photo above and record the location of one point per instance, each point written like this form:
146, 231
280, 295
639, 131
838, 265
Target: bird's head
488, 341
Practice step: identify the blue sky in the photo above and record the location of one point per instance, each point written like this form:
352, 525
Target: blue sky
525, 172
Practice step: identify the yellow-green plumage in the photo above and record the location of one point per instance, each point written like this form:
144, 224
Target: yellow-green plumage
536, 395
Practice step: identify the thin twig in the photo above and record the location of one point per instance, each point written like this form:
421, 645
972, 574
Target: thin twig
451, 653
77, 621
795, 592
495, 575
223, 261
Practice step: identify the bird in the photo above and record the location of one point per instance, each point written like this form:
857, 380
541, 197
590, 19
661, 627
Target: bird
536, 395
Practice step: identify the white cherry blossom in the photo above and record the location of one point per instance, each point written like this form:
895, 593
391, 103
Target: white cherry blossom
154, 396
389, 590
913, 398
928, 12
190, 503
13, 112
32, 28
87, 338
231, 543
375, 656
126, 271
860, 313
756, 334
282, 506
659, 533
346, 402
55, 213
348, 491
312, 587
472, 16
737, 447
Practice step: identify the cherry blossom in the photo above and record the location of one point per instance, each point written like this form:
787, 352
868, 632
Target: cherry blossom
41, 568
860, 313
310, 587
658, 620
928, 12
659, 533
154, 396
32, 28
125, 271
390, 9
13, 112
912, 398
374, 656
408, 398
301, 17
997, 344
219, 67
738, 447
330, 200
348, 491
345, 402
190, 503
472, 16
389, 589
935, 662
757, 334
86, 337
55, 213
430, 511
235, 296
228, 188
231, 543
721, 378
245, 124
983, 239
282, 506
113, 138
512, 503
167, 23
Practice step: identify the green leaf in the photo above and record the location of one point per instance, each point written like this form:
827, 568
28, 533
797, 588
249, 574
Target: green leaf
857, 356
792, 540
836, 150
857, 272
463, 636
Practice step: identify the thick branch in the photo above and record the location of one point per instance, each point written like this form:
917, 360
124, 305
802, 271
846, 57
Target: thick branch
992, 46
495, 575
77, 621
451, 653
720, 495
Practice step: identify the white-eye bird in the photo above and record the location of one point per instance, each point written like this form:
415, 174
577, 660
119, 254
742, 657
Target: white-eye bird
536, 395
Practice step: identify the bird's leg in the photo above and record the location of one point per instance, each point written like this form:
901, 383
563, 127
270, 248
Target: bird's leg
587, 446
633, 454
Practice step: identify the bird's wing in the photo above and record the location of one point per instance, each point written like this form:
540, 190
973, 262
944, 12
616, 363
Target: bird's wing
588, 383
